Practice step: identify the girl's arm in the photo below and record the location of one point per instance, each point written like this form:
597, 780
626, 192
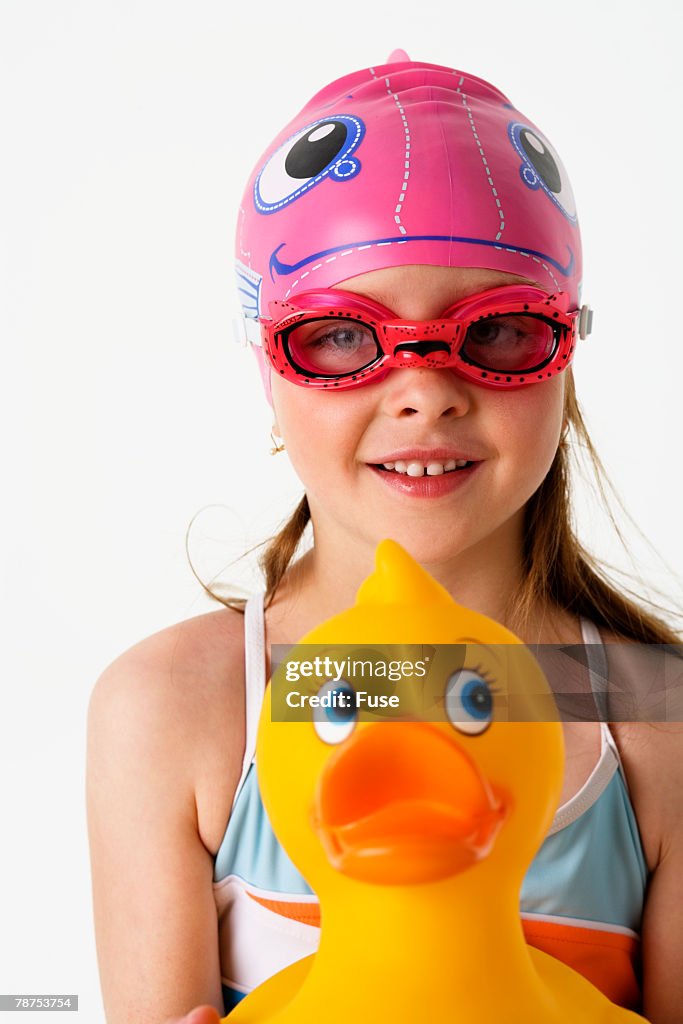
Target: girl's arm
149, 753
653, 759
663, 934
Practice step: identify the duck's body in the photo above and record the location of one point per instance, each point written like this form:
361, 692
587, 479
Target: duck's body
416, 835
409, 1002
498, 988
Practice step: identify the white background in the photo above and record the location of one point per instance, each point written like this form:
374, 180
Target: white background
127, 132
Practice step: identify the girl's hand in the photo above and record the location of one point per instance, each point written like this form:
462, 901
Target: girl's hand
200, 1015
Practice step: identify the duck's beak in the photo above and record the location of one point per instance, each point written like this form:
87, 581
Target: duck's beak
402, 802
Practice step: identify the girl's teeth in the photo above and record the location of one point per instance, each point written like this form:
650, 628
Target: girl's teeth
419, 468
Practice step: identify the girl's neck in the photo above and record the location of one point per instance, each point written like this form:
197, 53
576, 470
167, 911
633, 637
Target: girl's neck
485, 578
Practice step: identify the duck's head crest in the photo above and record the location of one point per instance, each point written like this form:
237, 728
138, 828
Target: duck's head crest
398, 579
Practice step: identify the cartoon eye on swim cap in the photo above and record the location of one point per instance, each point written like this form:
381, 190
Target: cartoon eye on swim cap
335, 723
541, 167
469, 702
320, 150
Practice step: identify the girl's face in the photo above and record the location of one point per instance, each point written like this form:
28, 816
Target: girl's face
338, 442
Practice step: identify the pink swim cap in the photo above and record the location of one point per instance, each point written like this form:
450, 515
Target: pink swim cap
405, 163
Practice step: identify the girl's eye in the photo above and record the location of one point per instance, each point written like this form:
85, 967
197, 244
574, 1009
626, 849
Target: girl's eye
333, 346
469, 702
340, 336
337, 720
509, 342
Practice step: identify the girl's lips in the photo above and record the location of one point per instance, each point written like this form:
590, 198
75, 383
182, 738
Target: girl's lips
425, 455
426, 486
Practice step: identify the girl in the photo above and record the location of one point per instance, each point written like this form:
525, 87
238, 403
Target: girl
412, 193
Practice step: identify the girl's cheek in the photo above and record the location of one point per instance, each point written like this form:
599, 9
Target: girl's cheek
322, 420
527, 430
537, 412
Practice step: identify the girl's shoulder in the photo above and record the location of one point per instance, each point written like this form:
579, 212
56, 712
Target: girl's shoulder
651, 752
652, 757
183, 664
173, 703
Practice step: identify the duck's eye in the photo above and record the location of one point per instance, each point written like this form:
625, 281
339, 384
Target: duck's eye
469, 701
322, 149
336, 718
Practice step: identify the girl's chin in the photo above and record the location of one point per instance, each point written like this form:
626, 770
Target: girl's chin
430, 543
429, 552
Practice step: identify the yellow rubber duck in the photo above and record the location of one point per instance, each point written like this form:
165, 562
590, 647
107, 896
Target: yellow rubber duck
416, 834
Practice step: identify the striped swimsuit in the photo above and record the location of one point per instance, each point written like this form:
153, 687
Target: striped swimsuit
582, 897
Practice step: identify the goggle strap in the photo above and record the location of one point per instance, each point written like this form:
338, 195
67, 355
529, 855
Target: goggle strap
585, 322
246, 331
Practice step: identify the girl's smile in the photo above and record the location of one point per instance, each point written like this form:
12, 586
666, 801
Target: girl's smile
425, 476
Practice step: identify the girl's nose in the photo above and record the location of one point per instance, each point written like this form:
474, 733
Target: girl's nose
426, 393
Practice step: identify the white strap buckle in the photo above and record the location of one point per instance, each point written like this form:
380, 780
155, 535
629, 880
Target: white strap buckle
246, 331
585, 321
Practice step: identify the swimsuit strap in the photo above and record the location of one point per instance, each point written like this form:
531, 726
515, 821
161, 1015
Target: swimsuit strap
254, 678
596, 658
598, 673
608, 760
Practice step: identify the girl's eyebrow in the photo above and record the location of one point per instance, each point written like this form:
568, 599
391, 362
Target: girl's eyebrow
371, 295
390, 301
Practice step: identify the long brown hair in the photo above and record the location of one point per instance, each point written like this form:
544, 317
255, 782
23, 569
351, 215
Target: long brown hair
557, 568
558, 571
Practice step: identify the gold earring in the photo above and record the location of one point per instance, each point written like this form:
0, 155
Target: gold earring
276, 447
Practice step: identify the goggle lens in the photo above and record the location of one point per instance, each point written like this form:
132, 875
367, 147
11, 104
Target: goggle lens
509, 343
333, 347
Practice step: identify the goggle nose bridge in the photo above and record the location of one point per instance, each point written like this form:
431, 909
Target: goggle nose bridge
420, 349
432, 343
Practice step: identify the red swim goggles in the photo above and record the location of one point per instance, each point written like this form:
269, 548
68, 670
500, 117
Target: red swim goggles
502, 338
